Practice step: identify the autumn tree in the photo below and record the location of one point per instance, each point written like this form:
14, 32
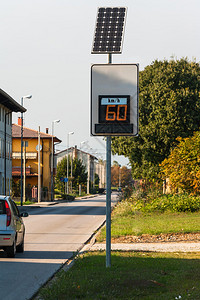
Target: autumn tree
120, 175
182, 167
169, 107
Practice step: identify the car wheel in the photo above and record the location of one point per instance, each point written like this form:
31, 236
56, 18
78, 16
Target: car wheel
11, 250
20, 247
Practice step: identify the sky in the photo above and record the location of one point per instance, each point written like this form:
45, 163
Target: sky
46, 52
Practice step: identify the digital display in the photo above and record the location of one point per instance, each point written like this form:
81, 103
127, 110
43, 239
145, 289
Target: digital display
114, 115
114, 109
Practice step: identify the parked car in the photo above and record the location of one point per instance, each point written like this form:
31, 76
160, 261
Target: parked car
12, 229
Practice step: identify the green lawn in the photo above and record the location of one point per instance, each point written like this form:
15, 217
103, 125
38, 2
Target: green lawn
152, 223
131, 276
134, 275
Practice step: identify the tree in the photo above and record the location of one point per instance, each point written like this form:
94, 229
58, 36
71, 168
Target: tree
169, 107
78, 171
122, 175
182, 167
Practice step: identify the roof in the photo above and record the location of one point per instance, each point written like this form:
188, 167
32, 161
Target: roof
63, 152
31, 133
10, 103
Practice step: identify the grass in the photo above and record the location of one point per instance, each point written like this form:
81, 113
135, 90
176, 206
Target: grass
24, 203
134, 275
151, 223
131, 276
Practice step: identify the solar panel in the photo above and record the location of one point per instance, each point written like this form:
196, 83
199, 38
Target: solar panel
109, 30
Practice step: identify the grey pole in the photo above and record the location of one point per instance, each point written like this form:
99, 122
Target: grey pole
22, 98
108, 194
108, 201
21, 153
52, 159
67, 163
5, 120
71, 132
39, 174
52, 154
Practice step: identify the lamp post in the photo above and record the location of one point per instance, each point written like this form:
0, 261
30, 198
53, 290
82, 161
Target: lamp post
82, 143
22, 99
5, 154
70, 133
52, 157
120, 178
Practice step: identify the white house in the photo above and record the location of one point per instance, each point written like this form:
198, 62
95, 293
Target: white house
7, 106
89, 161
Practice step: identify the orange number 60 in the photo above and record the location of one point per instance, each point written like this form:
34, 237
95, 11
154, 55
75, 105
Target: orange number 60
111, 115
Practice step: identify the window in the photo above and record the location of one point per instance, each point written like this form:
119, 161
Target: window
2, 147
14, 208
3, 112
2, 186
2, 207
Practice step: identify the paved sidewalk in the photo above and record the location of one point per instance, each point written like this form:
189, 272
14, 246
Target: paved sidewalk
155, 247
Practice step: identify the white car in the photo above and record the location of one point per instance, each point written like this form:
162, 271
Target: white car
12, 229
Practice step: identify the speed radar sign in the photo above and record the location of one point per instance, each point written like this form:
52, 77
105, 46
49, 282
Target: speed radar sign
114, 100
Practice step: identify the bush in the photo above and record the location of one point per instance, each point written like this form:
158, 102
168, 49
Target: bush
182, 166
173, 203
68, 197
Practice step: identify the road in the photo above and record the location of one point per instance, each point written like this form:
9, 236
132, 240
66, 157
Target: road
53, 234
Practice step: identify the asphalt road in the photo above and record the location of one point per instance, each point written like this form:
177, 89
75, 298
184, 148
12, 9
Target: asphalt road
53, 234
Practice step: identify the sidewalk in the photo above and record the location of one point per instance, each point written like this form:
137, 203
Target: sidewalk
154, 247
50, 203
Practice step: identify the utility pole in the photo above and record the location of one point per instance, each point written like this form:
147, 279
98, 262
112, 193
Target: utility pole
24, 181
39, 178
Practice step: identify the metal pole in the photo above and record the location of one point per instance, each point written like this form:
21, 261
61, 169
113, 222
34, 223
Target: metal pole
5, 120
4, 191
67, 163
108, 193
39, 179
119, 176
52, 152
21, 153
108, 201
24, 181
71, 167
88, 179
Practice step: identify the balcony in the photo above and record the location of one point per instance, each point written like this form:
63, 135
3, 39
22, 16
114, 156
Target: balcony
29, 155
16, 172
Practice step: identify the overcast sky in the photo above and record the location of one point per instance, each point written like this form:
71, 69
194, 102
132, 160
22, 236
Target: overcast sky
46, 51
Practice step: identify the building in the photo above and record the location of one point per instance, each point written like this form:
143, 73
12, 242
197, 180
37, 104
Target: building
30, 152
7, 106
93, 166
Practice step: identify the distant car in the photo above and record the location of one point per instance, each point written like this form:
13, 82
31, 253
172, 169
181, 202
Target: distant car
12, 229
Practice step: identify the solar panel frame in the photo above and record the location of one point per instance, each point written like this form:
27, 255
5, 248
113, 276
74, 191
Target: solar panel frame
109, 30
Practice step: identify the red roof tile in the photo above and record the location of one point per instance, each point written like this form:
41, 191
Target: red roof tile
30, 133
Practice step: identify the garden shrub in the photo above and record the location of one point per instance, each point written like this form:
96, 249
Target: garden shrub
173, 203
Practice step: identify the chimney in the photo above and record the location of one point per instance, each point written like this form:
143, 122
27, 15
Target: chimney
75, 151
19, 121
47, 130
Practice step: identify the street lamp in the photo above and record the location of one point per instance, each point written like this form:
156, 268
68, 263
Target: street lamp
82, 143
22, 99
70, 133
119, 178
52, 157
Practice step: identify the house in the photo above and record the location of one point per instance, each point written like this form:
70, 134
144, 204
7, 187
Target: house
30, 152
93, 166
7, 106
